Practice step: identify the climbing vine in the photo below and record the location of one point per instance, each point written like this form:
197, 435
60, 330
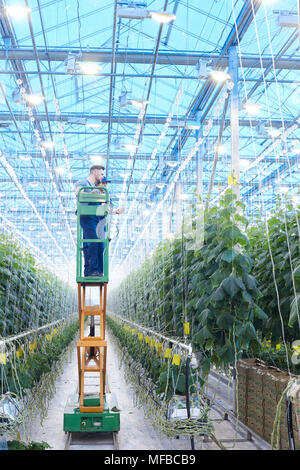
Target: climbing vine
211, 288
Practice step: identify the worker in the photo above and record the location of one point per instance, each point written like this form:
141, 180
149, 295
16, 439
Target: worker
101, 225
103, 184
92, 251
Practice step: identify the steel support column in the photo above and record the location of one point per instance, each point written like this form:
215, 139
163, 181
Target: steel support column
234, 119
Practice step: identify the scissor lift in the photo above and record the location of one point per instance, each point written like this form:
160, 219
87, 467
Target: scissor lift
95, 411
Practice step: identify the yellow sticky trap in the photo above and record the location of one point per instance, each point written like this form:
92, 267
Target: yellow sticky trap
186, 328
167, 353
3, 359
140, 336
19, 352
48, 337
152, 342
31, 348
147, 339
232, 180
176, 359
278, 346
159, 348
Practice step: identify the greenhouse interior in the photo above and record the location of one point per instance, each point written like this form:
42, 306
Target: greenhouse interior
149, 226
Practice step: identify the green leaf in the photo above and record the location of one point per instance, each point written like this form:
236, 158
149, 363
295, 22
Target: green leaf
229, 255
205, 366
202, 335
295, 310
226, 353
233, 235
225, 321
204, 315
247, 297
218, 295
232, 286
259, 313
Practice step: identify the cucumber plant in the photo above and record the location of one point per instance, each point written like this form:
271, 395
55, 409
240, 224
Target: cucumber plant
211, 288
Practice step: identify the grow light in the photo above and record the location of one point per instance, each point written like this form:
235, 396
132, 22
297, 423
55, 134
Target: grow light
252, 108
221, 149
219, 75
274, 132
34, 100
130, 146
48, 144
172, 164
133, 13
95, 125
138, 103
17, 11
162, 17
184, 124
89, 68
96, 159
60, 170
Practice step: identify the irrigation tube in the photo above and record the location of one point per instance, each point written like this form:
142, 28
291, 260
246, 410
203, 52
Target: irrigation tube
187, 347
10, 339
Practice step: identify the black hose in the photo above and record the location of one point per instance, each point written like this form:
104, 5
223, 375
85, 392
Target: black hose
187, 395
92, 333
290, 423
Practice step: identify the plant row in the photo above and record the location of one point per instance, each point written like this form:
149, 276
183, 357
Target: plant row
237, 290
30, 296
25, 365
165, 369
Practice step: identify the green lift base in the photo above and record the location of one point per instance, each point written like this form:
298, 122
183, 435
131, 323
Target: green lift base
108, 421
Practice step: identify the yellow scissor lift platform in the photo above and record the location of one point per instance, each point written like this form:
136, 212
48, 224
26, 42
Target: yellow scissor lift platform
97, 410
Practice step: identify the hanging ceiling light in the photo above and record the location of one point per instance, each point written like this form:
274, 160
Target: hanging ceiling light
130, 146
221, 148
24, 158
94, 125
60, 170
135, 13
34, 100
17, 11
252, 108
48, 144
162, 17
172, 164
244, 162
138, 103
274, 132
219, 75
96, 159
132, 13
184, 124
89, 68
